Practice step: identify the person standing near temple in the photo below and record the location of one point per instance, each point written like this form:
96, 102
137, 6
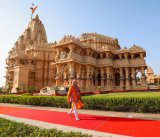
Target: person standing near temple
74, 97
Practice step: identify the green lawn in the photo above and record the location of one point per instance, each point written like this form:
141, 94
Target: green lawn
132, 94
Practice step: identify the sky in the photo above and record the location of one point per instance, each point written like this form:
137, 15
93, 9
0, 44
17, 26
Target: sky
131, 21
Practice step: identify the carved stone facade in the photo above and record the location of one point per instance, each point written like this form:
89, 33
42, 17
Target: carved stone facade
93, 59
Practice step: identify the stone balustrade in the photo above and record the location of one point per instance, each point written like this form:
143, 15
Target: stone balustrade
76, 57
90, 60
121, 63
104, 62
137, 62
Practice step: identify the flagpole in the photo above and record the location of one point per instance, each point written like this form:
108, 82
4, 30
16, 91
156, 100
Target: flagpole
33, 10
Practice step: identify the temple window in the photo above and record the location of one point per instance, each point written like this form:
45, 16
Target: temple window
116, 57
136, 56
32, 75
98, 57
129, 56
33, 62
22, 62
123, 57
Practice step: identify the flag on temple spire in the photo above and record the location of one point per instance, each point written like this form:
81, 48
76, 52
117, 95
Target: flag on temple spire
33, 8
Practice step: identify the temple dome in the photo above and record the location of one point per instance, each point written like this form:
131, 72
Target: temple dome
136, 48
150, 70
103, 42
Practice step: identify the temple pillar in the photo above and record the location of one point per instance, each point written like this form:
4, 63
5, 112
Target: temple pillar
71, 72
107, 54
127, 78
17, 62
121, 77
57, 75
126, 55
57, 55
132, 56
51, 75
91, 77
141, 55
79, 78
108, 76
101, 55
65, 78
120, 56
133, 77
111, 77
96, 78
88, 80
88, 51
143, 82
105, 77
71, 48
102, 76
82, 80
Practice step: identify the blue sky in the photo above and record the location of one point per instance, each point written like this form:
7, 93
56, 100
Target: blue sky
131, 21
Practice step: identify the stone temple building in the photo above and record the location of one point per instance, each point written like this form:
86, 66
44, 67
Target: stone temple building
95, 60
151, 77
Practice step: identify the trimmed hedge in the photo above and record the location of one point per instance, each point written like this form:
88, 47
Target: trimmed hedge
53, 101
125, 103
10, 128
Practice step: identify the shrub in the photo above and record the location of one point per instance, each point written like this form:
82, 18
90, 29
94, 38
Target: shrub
116, 102
125, 103
54, 101
15, 129
26, 94
31, 89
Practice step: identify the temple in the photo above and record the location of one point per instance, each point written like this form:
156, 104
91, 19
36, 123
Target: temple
95, 60
152, 78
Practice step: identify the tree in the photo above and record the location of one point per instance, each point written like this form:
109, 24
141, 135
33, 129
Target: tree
31, 89
17, 88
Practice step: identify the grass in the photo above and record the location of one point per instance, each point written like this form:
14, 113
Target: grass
131, 94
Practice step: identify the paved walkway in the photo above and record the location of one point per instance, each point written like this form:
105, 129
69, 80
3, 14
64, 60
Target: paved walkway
72, 128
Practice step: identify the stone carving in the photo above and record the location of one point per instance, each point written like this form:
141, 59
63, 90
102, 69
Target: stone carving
69, 38
63, 55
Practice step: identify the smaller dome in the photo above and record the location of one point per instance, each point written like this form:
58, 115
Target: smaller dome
136, 48
150, 70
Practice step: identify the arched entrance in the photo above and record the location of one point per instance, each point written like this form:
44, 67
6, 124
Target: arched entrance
99, 79
138, 77
117, 79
